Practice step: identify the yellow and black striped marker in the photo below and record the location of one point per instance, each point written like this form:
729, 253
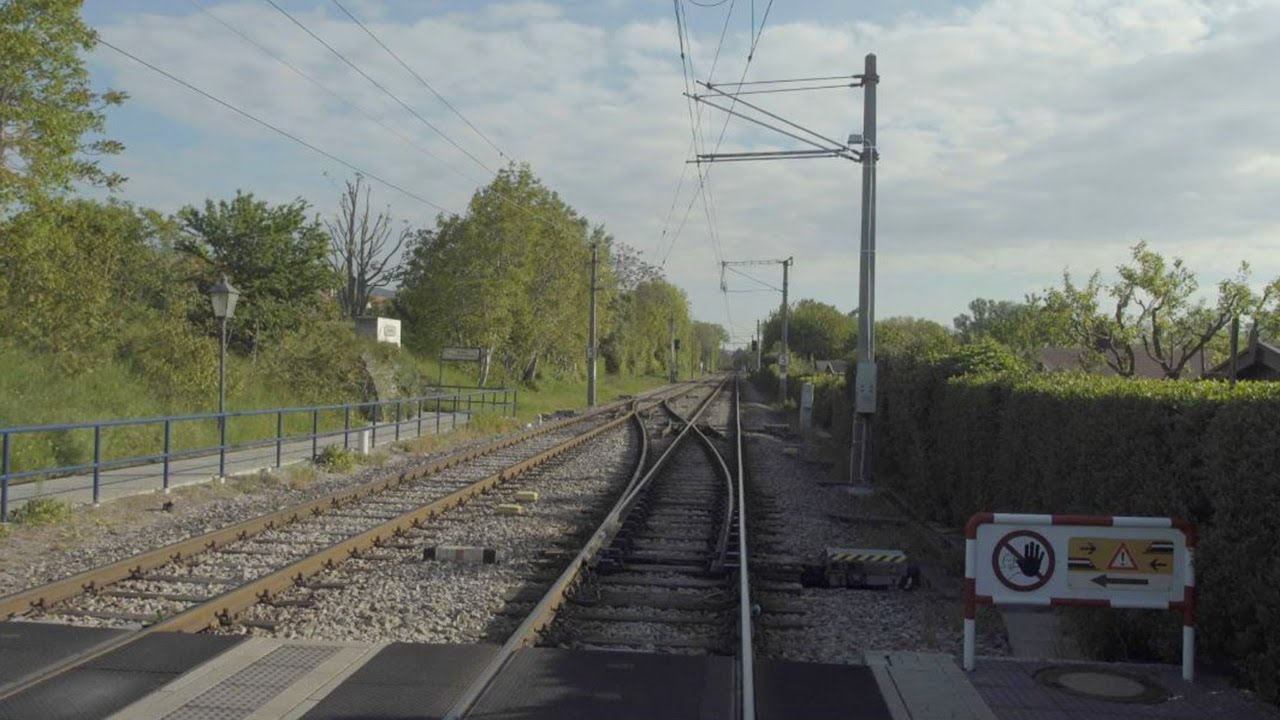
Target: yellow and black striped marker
863, 555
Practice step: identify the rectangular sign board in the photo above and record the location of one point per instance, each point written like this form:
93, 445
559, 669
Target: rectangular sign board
462, 354
1093, 560
1037, 564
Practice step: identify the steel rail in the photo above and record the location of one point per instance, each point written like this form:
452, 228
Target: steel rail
43, 596
545, 611
223, 608
722, 541
746, 652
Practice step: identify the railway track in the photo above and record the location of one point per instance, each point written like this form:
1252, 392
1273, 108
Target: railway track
667, 570
210, 580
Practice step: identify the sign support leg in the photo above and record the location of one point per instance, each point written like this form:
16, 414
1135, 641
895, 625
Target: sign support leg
1188, 653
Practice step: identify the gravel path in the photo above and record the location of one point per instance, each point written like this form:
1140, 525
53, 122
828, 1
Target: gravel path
401, 597
800, 514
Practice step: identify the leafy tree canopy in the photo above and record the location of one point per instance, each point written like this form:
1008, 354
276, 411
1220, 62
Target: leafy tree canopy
274, 255
46, 105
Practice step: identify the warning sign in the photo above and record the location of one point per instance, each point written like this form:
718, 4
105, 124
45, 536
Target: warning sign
1023, 561
1126, 564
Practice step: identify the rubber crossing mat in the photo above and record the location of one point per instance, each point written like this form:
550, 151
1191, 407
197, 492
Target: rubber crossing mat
113, 681
547, 683
405, 680
26, 647
817, 691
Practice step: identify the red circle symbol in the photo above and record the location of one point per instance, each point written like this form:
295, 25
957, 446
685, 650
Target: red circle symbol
1023, 561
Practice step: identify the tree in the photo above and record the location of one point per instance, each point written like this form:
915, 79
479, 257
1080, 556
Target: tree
511, 276
708, 338
46, 104
1156, 311
915, 337
814, 329
274, 255
1024, 327
361, 249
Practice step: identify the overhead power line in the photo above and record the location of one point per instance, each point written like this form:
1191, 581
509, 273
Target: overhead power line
274, 128
378, 85
421, 80
310, 78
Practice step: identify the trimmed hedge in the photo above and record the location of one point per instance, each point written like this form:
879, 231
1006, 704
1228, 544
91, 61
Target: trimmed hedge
1076, 443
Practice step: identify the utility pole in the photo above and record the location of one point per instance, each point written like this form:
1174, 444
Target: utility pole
784, 359
860, 148
671, 366
591, 333
864, 405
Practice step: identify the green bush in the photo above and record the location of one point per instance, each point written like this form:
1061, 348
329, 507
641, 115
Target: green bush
41, 511
1076, 443
336, 460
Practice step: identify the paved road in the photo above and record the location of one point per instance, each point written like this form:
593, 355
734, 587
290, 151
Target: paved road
78, 489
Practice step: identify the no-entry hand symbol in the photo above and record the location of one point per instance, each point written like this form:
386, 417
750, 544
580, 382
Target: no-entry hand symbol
1023, 561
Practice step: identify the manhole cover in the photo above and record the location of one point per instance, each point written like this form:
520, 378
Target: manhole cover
1102, 684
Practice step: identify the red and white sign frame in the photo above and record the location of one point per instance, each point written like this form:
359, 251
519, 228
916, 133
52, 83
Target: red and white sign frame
1017, 524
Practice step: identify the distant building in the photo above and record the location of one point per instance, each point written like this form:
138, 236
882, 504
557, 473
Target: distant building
381, 329
1057, 359
1259, 361
380, 298
831, 367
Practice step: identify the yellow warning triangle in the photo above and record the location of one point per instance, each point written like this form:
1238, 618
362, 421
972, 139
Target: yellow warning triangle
1122, 560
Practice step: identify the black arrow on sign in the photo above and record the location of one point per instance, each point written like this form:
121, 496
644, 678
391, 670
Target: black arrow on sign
1105, 580
1157, 564
1090, 548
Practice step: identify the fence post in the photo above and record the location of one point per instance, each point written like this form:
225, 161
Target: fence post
315, 433
4, 478
453, 417
373, 438
279, 436
346, 427
468, 407
97, 464
419, 417
515, 396
437, 415
222, 446
168, 448
397, 421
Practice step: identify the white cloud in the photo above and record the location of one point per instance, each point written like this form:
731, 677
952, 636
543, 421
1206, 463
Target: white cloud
1017, 137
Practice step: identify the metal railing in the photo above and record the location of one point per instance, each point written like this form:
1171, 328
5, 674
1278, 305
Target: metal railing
163, 440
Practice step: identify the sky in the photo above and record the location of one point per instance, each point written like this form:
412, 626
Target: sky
1017, 139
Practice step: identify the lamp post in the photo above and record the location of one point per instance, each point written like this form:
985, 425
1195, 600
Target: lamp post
223, 297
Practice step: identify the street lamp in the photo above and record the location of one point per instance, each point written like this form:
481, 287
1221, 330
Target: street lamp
224, 297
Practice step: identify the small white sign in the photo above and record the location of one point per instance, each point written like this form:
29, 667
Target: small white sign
462, 354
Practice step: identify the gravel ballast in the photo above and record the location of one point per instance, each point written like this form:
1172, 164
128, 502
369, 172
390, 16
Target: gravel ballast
401, 597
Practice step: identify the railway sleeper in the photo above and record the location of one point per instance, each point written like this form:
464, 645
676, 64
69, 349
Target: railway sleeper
617, 616
149, 595
715, 645
710, 602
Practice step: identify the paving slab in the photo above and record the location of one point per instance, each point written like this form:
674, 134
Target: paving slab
1009, 688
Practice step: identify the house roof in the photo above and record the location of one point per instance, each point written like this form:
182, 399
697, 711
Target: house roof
1066, 358
835, 366
1258, 353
